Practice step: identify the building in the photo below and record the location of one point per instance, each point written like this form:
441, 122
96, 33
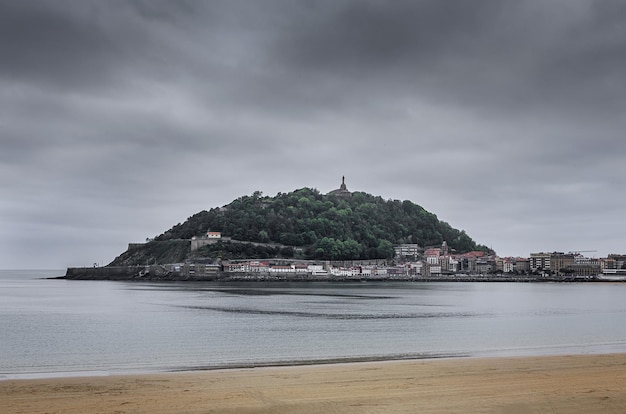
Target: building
485, 265
521, 265
452, 264
513, 265
406, 250
234, 267
432, 270
432, 256
550, 263
539, 262
282, 269
583, 269
258, 267
345, 271
209, 238
560, 261
614, 265
616, 261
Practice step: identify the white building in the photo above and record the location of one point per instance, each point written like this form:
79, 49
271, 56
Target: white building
343, 271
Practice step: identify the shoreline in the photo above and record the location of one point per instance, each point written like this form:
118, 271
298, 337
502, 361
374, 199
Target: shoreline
564, 383
517, 353
138, 274
96, 372
18, 376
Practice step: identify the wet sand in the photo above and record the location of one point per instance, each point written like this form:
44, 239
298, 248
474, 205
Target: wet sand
552, 384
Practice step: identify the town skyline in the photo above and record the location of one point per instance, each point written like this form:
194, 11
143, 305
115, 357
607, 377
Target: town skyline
409, 260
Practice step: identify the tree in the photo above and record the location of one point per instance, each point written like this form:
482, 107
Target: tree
287, 252
263, 236
351, 250
330, 247
363, 226
385, 249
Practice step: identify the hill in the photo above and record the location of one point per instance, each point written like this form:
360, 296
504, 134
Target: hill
305, 224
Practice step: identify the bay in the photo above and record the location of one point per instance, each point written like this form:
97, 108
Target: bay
62, 328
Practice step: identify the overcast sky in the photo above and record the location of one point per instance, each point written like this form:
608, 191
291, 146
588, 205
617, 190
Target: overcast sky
120, 119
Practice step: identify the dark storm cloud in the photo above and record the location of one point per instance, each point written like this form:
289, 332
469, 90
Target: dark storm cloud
540, 56
55, 44
104, 48
364, 37
482, 52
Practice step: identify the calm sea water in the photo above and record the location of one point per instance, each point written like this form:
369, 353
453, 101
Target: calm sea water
59, 327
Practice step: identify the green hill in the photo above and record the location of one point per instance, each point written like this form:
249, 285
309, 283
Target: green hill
307, 224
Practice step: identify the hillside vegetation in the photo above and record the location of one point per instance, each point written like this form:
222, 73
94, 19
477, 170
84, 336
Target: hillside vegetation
169, 251
320, 226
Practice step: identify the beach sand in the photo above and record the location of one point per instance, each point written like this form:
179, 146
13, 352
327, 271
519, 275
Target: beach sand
551, 384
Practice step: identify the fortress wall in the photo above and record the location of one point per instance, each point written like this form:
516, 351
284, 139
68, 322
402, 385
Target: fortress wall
103, 273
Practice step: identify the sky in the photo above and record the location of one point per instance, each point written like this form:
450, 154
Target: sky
120, 119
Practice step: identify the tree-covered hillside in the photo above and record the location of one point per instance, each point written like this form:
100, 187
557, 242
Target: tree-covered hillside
325, 226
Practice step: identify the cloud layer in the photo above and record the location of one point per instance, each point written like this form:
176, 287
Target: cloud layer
119, 119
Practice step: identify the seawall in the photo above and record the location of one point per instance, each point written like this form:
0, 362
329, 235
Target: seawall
164, 273
103, 273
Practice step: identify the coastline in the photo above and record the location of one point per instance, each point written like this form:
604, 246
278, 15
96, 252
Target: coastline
230, 366
572, 384
158, 273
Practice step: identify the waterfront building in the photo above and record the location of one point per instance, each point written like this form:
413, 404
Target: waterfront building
282, 269
234, 267
521, 265
513, 264
344, 271
539, 262
583, 269
550, 263
432, 256
397, 272
484, 265
617, 261
316, 268
434, 270
258, 267
416, 268
301, 268
454, 265
614, 265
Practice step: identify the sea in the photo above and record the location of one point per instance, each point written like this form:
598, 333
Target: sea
52, 327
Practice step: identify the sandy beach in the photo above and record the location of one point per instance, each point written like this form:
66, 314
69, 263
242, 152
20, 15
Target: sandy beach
551, 384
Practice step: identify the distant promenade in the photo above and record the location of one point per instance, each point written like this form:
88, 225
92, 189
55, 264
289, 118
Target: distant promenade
164, 273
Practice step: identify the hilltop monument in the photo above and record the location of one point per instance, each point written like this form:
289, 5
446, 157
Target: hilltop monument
342, 191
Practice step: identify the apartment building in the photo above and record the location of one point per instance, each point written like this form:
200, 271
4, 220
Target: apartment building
550, 263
